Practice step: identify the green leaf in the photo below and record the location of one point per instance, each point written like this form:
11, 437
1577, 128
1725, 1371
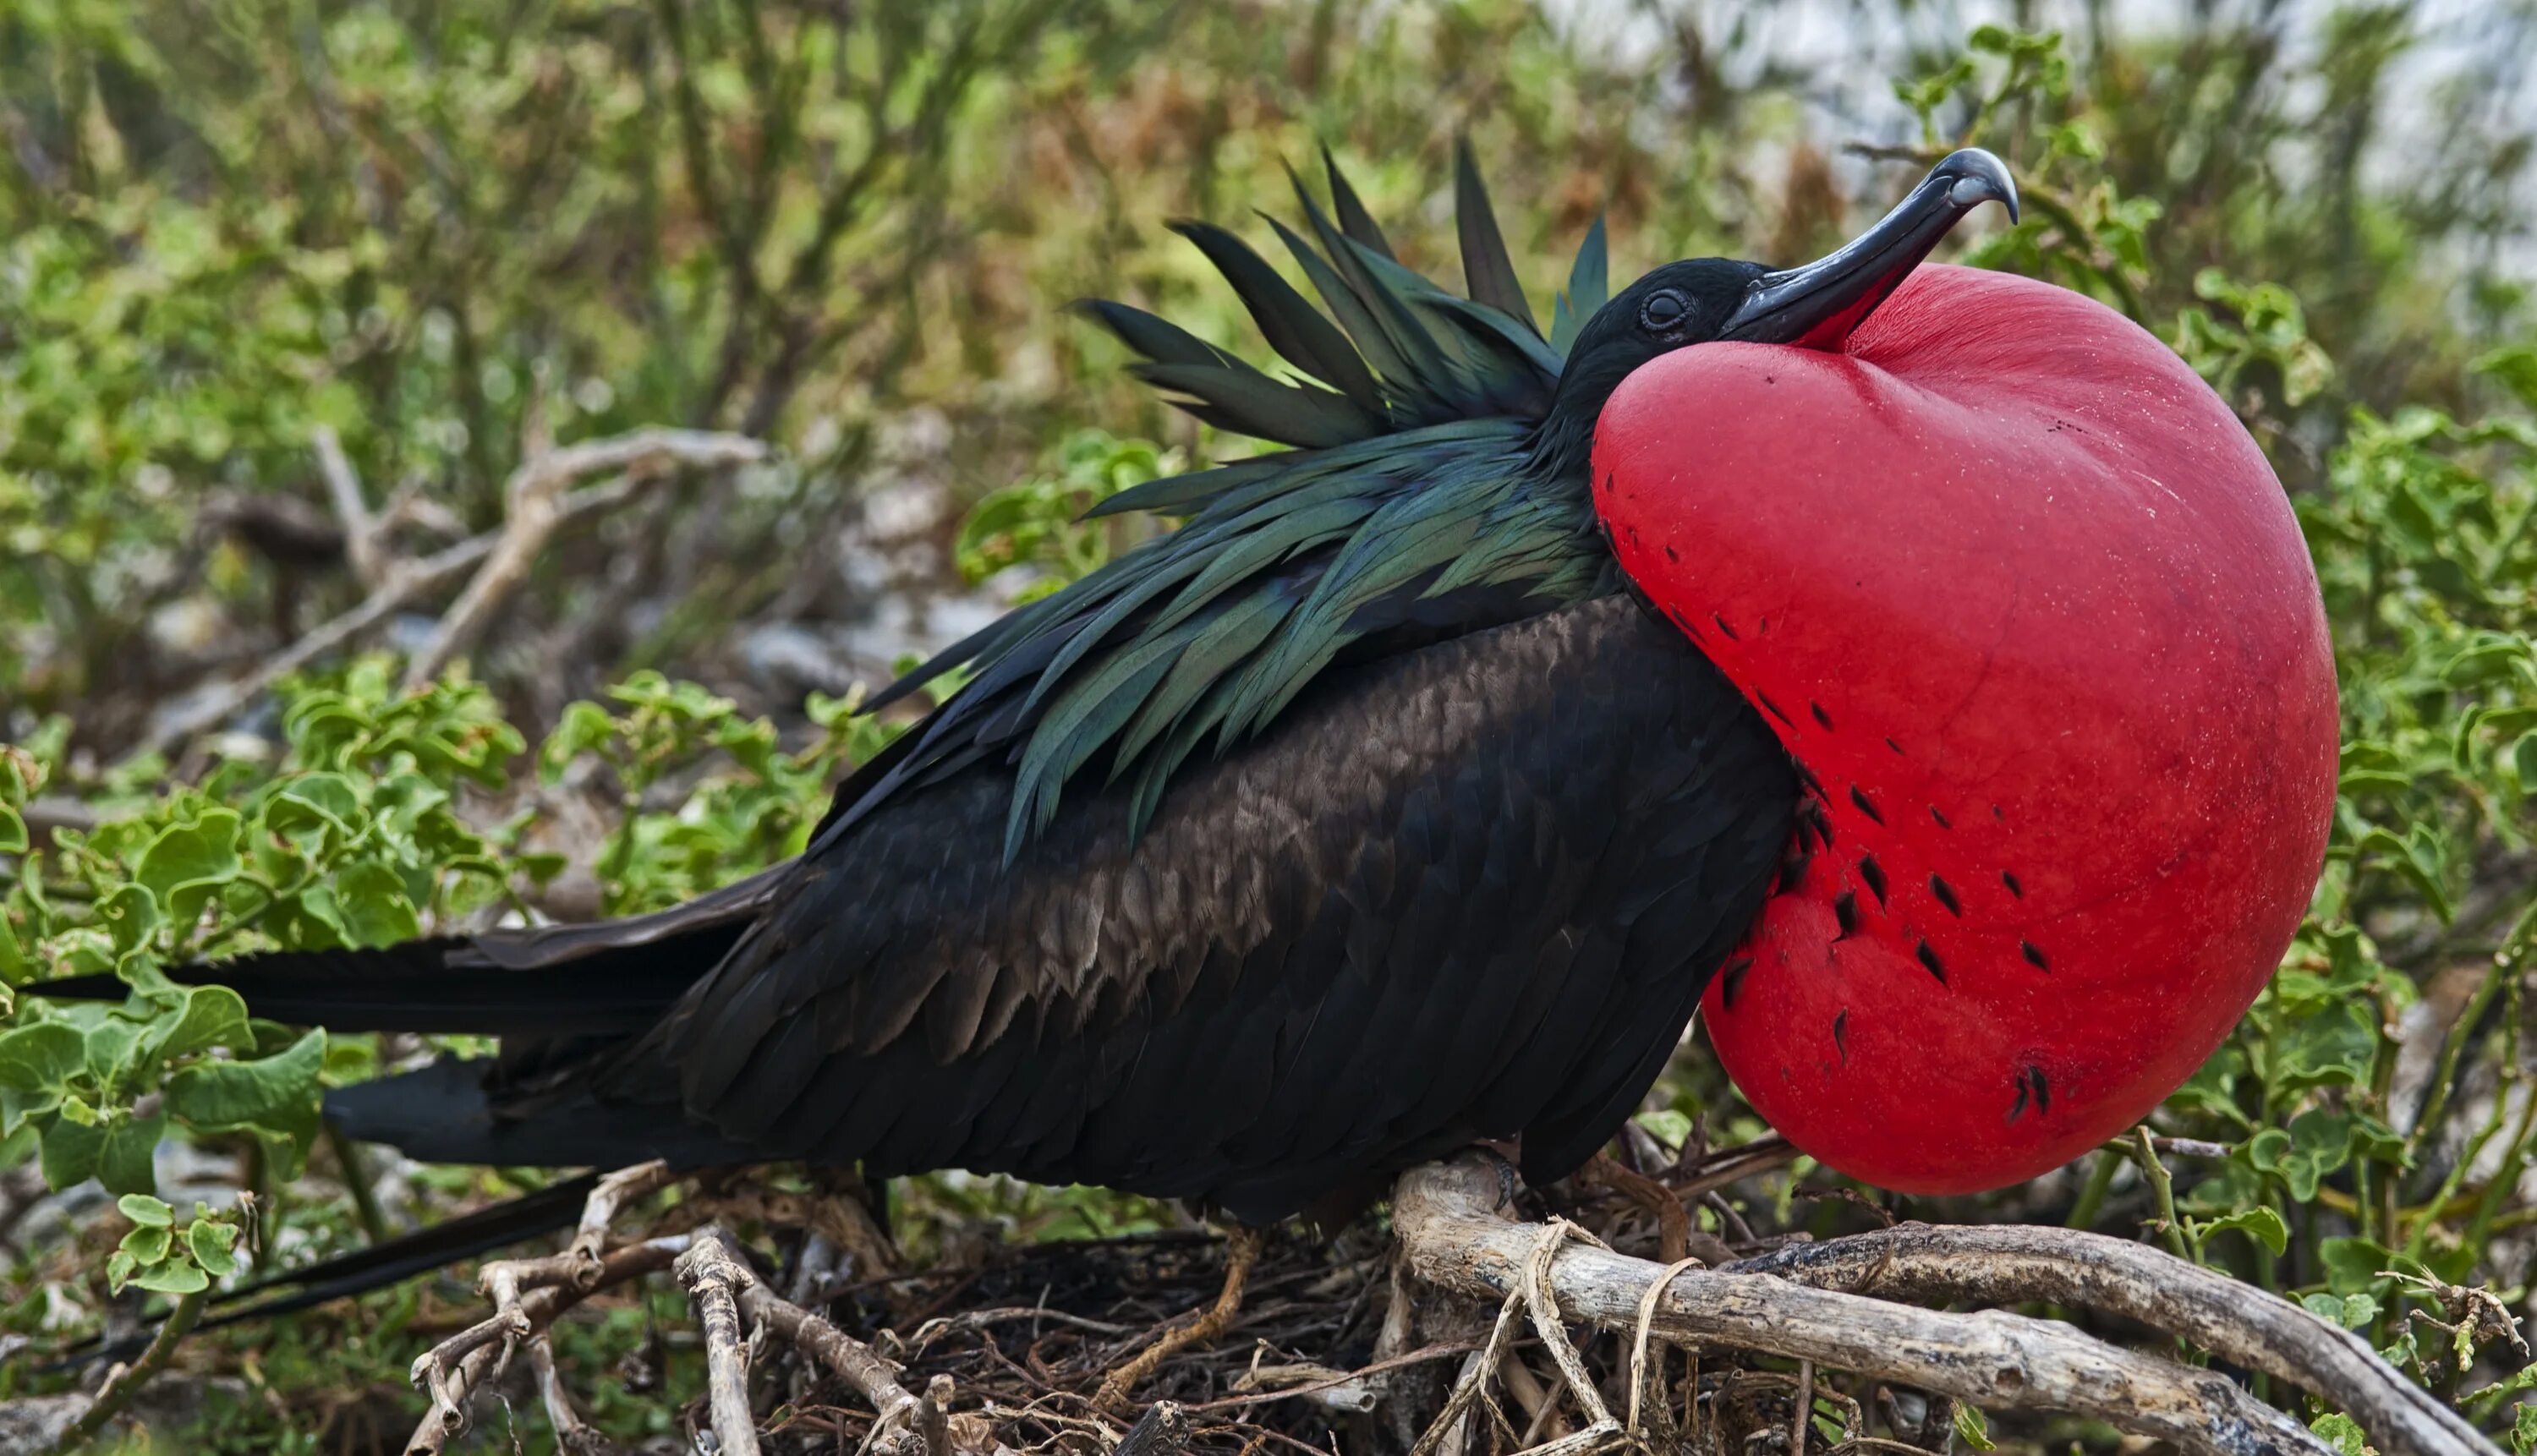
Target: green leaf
173, 1278
12, 832
188, 862
1668, 1126
317, 804
146, 1245
209, 1016
272, 1092
126, 1159
584, 727
2260, 1224
2269, 1149
2336, 1046
146, 1211
42, 1057
2343, 1433
130, 915
2523, 1430
109, 1050
372, 901
212, 1243
69, 1153
1972, 1429
2353, 1265
2515, 368
308, 921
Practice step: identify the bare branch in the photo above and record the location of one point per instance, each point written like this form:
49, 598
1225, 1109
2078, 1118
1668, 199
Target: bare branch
1447, 1218
535, 497
351, 511
407, 581
401, 587
574, 1437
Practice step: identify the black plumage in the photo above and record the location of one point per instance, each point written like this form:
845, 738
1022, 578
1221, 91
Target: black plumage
1363, 815
1472, 890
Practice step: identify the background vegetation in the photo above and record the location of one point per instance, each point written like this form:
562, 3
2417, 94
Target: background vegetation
450, 235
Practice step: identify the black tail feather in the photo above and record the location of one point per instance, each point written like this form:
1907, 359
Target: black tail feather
611, 976
442, 1112
427, 985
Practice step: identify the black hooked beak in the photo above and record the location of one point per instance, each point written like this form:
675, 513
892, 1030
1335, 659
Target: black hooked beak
1818, 305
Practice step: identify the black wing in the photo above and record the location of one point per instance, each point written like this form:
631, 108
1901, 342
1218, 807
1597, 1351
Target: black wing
1472, 890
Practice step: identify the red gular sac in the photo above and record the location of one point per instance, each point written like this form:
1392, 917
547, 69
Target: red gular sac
2030, 609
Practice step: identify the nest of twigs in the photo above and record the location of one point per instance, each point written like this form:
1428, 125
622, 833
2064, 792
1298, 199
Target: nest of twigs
1589, 1319
1330, 1347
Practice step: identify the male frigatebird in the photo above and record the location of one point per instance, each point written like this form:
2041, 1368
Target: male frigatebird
1944, 692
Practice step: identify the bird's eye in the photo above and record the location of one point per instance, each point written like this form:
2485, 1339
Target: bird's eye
1663, 309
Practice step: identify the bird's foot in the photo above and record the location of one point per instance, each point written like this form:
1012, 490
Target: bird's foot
1242, 1250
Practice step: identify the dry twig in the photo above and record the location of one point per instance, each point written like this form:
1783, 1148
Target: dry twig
1242, 1250
854, 1362
403, 581
713, 1276
528, 1294
450, 1371
606, 1199
535, 507
351, 511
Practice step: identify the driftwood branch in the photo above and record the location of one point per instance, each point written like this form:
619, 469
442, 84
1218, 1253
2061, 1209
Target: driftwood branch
582, 1257
1449, 1222
2013, 1263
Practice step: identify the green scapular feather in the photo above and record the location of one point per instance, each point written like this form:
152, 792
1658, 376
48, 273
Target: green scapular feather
1412, 505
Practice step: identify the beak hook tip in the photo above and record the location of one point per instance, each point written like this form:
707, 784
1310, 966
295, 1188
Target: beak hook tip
1979, 177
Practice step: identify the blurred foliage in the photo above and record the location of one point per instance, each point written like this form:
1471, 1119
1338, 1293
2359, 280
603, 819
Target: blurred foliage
447, 232
1035, 522
759, 808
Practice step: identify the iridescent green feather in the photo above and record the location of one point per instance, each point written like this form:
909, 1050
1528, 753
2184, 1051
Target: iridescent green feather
1412, 505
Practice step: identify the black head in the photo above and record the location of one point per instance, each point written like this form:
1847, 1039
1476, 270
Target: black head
1702, 300
1677, 304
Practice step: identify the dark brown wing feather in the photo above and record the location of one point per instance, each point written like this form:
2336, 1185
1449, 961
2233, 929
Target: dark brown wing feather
1472, 890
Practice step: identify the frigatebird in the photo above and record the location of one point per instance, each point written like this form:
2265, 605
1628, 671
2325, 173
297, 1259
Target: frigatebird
1921, 665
